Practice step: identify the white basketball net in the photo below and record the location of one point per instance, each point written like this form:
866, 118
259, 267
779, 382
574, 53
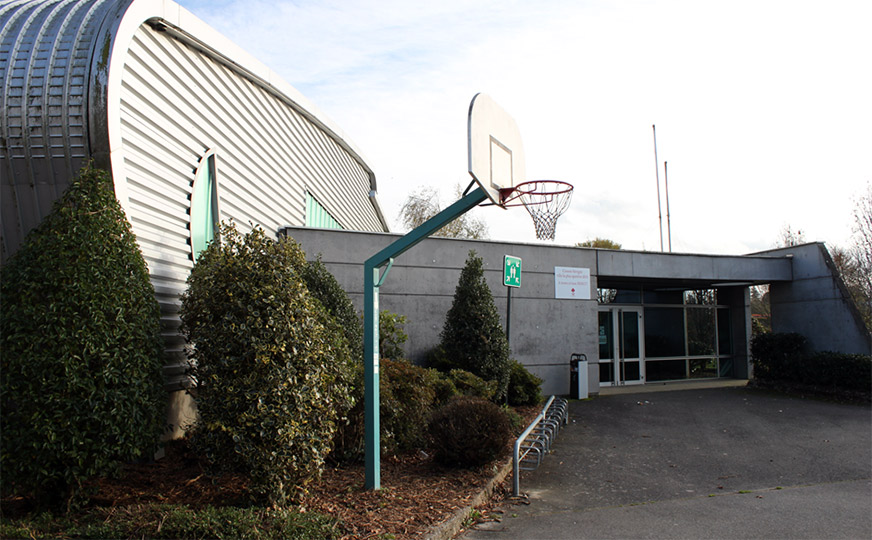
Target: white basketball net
545, 200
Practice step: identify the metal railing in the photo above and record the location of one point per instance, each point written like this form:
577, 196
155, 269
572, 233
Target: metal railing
536, 440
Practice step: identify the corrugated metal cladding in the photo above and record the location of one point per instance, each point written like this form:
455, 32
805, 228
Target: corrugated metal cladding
177, 103
179, 98
45, 58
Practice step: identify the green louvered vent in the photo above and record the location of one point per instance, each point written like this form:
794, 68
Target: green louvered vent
318, 216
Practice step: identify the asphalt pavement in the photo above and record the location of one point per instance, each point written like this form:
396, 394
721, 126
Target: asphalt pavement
699, 463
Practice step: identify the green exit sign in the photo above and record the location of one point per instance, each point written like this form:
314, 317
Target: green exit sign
511, 271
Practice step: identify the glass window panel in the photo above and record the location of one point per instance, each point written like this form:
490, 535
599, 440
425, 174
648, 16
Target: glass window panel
664, 297
631, 371
708, 297
606, 296
628, 296
725, 333
605, 336
703, 368
665, 370
607, 372
630, 334
664, 332
725, 369
700, 331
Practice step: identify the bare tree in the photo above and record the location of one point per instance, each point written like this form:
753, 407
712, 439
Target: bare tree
788, 237
861, 254
423, 203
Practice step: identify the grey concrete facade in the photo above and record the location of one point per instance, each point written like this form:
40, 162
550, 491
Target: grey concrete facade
813, 304
545, 331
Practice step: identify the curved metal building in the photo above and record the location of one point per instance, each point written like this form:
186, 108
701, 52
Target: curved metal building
192, 129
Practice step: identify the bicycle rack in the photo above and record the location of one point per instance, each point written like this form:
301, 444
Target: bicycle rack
536, 440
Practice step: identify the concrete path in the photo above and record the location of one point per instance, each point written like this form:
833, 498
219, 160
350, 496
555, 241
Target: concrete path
699, 463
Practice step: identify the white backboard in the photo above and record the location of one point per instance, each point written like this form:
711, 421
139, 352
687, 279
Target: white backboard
496, 154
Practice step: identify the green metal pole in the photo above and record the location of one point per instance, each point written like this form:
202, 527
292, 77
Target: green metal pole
372, 423
371, 282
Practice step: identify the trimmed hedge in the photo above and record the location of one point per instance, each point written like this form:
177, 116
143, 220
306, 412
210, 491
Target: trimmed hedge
775, 356
787, 358
469, 431
81, 382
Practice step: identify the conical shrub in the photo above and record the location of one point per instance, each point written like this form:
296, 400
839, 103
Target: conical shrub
472, 337
81, 385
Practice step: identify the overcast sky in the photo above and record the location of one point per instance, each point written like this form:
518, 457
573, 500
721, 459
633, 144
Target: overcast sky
763, 108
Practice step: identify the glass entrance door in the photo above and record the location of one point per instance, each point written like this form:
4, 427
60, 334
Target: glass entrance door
620, 346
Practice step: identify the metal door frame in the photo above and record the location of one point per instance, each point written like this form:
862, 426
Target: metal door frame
616, 314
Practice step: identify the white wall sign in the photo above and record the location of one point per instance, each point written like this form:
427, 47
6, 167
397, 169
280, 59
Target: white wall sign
572, 283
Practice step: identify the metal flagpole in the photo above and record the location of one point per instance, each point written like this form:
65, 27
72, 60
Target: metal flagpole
657, 172
668, 222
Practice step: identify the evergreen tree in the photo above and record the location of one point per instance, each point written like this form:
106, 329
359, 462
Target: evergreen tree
81, 384
472, 338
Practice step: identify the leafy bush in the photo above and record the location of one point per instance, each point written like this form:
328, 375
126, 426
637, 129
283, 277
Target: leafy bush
348, 440
324, 287
273, 370
443, 388
472, 337
81, 384
516, 421
468, 384
524, 387
468, 431
407, 396
391, 335
775, 356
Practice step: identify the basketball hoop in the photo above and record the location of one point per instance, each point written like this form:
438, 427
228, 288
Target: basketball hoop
545, 200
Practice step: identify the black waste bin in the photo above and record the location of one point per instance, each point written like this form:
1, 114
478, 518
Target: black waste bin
575, 366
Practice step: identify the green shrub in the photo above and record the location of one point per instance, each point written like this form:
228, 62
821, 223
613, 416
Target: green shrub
786, 358
468, 431
837, 371
323, 286
443, 388
81, 385
407, 396
776, 356
468, 384
348, 440
391, 335
516, 421
472, 337
273, 371
524, 387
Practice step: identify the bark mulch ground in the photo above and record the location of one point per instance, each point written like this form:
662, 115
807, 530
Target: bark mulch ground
416, 493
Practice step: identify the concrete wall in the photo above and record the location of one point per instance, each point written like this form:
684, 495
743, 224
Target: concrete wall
421, 286
545, 331
739, 300
816, 303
